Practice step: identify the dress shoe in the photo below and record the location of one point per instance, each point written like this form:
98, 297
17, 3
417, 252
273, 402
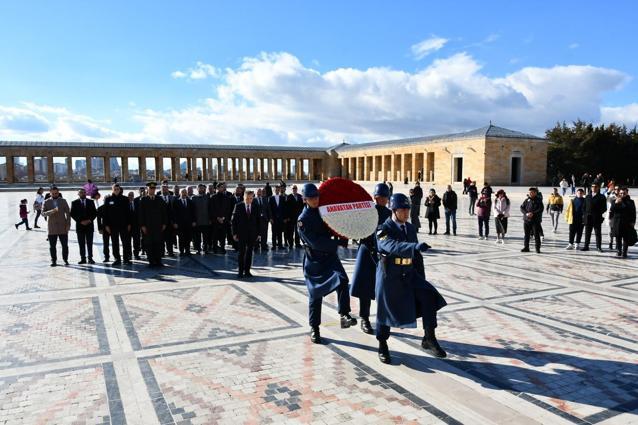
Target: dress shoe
525, 250
240, 275
53, 264
91, 261
584, 248
66, 262
347, 321
384, 352
366, 327
315, 337
36, 227
82, 262
618, 254
447, 233
116, 263
538, 250
431, 345
248, 274
106, 260
599, 249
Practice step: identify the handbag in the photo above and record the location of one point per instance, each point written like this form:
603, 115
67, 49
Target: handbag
633, 237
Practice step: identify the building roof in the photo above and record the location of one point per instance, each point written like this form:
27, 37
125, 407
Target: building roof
487, 131
7, 143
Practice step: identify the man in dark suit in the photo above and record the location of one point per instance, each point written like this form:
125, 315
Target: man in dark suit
595, 207
277, 206
83, 212
117, 224
295, 207
245, 228
153, 220
264, 218
220, 204
184, 221
136, 233
168, 234
100, 227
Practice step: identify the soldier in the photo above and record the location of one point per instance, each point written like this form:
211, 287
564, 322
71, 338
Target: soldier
220, 204
153, 221
363, 279
323, 270
402, 292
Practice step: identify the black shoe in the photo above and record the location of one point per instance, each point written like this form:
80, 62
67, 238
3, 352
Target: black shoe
525, 250
315, 337
384, 352
106, 260
240, 275
618, 254
53, 264
454, 233
248, 274
538, 250
128, 262
36, 227
366, 327
431, 345
83, 261
611, 247
116, 263
599, 249
66, 262
91, 261
584, 248
447, 233
347, 321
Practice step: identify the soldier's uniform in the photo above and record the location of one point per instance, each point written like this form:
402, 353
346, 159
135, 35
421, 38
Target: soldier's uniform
323, 270
152, 215
402, 292
363, 278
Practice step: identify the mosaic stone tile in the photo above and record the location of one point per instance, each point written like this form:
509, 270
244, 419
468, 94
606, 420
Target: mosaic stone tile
22, 279
195, 314
51, 331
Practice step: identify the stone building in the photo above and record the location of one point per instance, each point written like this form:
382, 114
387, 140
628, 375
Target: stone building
494, 154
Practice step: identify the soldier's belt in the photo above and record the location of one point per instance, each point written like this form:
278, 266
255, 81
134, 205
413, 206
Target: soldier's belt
403, 261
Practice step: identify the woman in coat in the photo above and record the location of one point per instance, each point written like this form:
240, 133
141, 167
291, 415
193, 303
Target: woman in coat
432, 204
414, 212
501, 214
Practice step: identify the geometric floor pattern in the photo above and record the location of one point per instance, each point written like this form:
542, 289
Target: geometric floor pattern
531, 339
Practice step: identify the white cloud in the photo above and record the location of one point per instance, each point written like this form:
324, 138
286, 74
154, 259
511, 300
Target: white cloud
427, 46
200, 71
273, 98
627, 114
574, 46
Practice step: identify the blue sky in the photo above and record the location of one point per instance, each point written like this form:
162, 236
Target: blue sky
310, 72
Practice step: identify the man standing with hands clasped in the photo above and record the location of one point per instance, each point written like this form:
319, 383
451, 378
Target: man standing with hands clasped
402, 292
57, 212
245, 227
594, 208
532, 208
83, 212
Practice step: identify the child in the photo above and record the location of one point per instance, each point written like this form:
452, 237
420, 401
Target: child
24, 214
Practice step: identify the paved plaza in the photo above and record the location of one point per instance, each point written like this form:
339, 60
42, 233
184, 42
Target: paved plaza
549, 338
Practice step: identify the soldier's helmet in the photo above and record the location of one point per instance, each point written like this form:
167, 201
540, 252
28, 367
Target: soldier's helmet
382, 189
399, 201
309, 190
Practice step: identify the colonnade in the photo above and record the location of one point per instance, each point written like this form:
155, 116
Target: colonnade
388, 167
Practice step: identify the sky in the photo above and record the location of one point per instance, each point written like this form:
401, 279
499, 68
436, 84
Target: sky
310, 73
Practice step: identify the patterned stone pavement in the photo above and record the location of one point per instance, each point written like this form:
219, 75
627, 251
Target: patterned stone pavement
547, 338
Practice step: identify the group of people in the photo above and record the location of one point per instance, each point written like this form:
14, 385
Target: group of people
389, 269
158, 223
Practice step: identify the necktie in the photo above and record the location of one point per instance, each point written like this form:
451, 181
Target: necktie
132, 207
83, 204
248, 210
184, 202
404, 230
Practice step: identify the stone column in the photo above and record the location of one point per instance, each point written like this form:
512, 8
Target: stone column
285, 168
218, 175
375, 171
69, 168
124, 176
255, 169
141, 160
89, 168
414, 171
30, 170
311, 169
50, 171
159, 168
240, 169
393, 169
10, 170
366, 172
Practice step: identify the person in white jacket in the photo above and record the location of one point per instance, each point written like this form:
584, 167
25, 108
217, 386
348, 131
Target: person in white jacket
501, 213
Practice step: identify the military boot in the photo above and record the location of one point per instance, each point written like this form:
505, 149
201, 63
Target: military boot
366, 327
384, 352
431, 345
315, 337
347, 321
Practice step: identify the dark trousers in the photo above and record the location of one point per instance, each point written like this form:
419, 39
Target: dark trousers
289, 232
154, 247
24, 221
425, 307
532, 227
85, 240
484, 222
297, 239
501, 225
168, 236
185, 236
229, 234
201, 239
64, 241
137, 240
596, 228
219, 239
245, 257
277, 230
364, 307
622, 245
575, 231
116, 236
432, 222
263, 233
314, 306
105, 244
472, 205
38, 213
450, 214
